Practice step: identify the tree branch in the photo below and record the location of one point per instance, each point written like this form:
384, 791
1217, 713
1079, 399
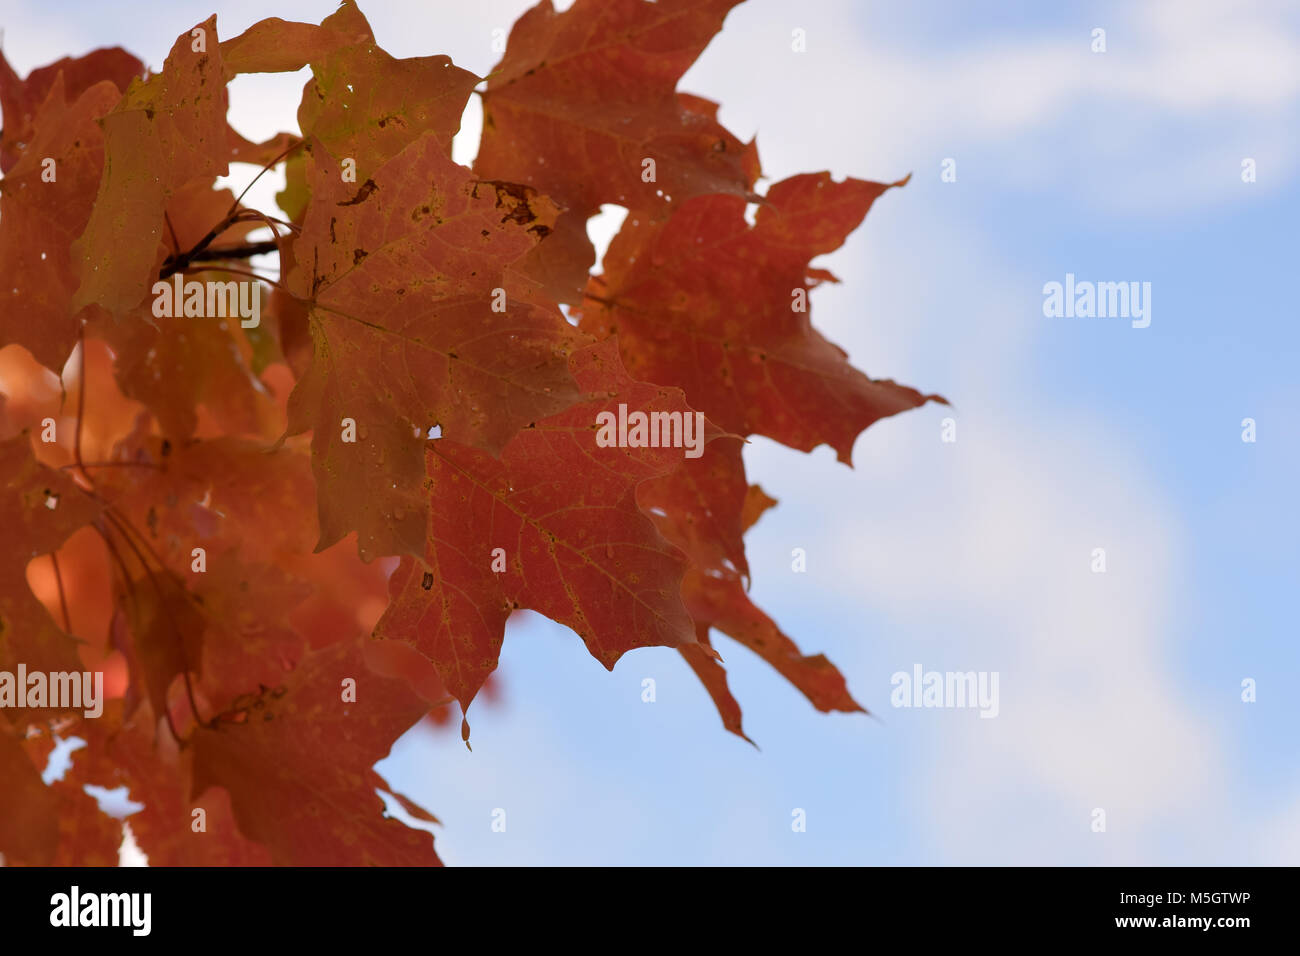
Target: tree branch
174, 264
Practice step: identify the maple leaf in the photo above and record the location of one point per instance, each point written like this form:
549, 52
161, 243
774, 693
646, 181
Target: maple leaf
39, 509
177, 365
708, 668
84, 835
704, 507
87, 836
49, 824
220, 494
246, 510
708, 303
574, 545
40, 218
21, 100
167, 131
129, 752
757, 501
401, 273
304, 810
584, 99
363, 104
723, 604
159, 630
699, 507
29, 823
250, 641
285, 46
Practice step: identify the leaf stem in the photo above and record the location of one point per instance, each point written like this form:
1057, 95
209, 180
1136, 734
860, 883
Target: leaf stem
268, 166
81, 403
63, 598
112, 464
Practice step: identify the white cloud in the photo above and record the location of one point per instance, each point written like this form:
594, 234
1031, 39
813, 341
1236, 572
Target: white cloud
1025, 104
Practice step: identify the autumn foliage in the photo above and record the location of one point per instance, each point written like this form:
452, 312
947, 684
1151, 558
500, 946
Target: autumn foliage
274, 599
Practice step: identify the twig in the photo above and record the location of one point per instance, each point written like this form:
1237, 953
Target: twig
63, 599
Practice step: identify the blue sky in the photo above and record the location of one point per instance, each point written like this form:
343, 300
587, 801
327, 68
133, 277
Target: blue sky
1119, 691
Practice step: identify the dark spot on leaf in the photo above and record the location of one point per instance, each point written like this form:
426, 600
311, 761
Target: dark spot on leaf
362, 195
427, 581
513, 199
358, 255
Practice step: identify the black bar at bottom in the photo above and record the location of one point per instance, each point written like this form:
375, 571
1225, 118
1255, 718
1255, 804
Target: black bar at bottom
226, 907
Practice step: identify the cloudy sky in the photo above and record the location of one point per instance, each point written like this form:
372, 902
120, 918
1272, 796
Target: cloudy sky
1119, 691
